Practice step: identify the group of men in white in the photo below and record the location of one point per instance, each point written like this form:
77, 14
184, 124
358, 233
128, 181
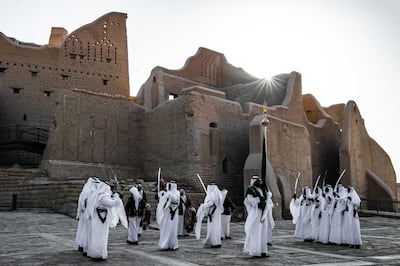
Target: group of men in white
215, 207
324, 215
327, 215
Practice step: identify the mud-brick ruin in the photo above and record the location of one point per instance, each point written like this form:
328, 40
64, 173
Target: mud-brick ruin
66, 114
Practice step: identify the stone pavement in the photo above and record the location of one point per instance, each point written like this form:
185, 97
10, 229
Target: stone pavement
40, 238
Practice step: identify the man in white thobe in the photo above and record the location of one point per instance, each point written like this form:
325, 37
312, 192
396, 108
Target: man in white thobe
212, 208
167, 217
106, 211
270, 218
316, 213
327, 202
256, 226
131, 209
184, 204
339, 207
82, 230
303, 219
229, 209
141, 209
351, 221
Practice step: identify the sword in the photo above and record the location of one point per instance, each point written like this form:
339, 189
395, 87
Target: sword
101, 167
118, 185
296, 183
323, 180
202, 184
158, 180
340, 177
116, 180
316, 184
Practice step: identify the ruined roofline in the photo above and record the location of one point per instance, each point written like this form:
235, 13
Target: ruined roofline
15, 42
97, 21
228, 74
199, 51
322, 112
19, 43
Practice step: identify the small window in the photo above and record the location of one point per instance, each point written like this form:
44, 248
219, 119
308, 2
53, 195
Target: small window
172, 96
34, 73
105, 81
16, 90
3, 69
64, 77
47, 93
213, 125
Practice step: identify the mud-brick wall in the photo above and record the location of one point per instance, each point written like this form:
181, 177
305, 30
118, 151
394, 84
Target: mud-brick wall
221, 140
196, 133
359, 153
168, 133
94, 57
94, 135
289, 150
325, 143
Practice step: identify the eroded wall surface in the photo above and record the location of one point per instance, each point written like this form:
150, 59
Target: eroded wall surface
360, 153
94, 135
92, 58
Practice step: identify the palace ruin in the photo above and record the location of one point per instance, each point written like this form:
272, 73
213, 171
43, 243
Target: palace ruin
66, 112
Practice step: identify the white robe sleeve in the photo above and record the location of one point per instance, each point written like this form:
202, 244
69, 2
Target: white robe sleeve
294, 207
252, 201
160, 206
270, 206
118, 215
201, 212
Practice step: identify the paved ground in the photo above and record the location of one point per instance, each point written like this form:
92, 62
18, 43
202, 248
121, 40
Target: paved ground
34, 238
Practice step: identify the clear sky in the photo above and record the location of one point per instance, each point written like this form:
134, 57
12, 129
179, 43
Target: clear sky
344, 49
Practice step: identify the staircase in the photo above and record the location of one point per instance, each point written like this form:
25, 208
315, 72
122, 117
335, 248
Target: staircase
22, 144
150, 189
31, 189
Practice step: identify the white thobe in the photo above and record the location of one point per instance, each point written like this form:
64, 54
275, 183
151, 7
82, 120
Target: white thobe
168, 205
325, 223
336, 230
351, 222
133, 229
212, 208
256, 228
303, 221
225, 225
97, 245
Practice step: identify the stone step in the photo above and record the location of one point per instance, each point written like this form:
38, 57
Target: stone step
33, 189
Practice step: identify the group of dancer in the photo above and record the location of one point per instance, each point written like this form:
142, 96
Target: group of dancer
217, 210
217, 207
327, 215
